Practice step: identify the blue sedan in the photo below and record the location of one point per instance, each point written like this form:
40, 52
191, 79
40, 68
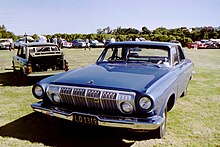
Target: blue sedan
132, 85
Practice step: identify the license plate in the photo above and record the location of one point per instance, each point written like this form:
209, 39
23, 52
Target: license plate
85, 119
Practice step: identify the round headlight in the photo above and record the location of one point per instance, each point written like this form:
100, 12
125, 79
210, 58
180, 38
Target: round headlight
145, 103
55, 98
38, 91
126, 107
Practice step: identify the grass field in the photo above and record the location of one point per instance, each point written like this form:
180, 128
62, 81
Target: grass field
194, 121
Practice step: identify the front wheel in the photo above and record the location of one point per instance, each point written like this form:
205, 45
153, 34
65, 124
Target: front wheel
160, 132
184, 93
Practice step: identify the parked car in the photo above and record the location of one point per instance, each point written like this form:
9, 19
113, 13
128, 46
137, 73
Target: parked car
66, 44
79, 43
197, 44
96, 43
20, 41
37, 59
132, 85
212, 44
6, 43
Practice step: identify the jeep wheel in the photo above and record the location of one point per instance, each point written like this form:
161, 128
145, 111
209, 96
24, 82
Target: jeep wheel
14, 69
24, 79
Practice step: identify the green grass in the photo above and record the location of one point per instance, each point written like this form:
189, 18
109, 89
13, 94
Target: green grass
194, 121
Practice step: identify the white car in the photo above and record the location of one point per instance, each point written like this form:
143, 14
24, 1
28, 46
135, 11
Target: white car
96, 43
6, 43
66, 43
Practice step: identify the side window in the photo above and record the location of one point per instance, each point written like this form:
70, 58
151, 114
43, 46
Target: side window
21, 52
53, 48
180, 54
175, 56
46, 49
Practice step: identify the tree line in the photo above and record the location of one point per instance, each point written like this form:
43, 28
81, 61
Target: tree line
182, 34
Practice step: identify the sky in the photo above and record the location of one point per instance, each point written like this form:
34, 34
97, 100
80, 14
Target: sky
86, 16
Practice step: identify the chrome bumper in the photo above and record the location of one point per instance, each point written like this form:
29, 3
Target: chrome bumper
150, 123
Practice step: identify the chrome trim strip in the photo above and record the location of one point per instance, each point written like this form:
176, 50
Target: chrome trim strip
150, 123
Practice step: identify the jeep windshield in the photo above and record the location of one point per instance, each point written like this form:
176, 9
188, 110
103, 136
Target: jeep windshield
135, 55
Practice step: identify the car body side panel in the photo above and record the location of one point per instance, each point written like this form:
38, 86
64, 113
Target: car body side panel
175, 82
19, 63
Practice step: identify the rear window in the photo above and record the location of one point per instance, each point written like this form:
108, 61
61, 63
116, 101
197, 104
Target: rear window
43, 49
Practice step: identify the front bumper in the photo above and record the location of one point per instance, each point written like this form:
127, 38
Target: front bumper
133, 123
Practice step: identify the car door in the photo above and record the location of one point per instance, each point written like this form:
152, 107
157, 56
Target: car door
185, 68
180, 68
20, 59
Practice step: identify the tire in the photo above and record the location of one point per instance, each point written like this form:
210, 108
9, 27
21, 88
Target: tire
184, 93
14, 69
23, 78
160, 132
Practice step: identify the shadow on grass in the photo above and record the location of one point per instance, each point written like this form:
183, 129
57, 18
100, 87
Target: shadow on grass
51, 131
9, 78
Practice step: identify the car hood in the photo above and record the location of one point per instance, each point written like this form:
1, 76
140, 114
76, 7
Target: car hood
120, 76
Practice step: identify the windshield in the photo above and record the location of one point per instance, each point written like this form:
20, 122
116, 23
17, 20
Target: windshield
135, 54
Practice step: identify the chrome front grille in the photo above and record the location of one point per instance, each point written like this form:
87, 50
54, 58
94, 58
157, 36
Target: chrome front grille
96, 99
78, 97
108, 99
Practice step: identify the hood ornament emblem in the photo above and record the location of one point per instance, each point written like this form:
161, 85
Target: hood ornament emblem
90, 82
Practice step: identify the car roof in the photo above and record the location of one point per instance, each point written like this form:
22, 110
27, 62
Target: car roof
142, 43
38, 44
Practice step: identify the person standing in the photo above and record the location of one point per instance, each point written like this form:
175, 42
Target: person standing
112, 39
60, 42
103, 40
55, 40
87, 44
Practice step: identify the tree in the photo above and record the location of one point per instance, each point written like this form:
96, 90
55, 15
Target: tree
91, 36
100, 31
145, 30
161, 30
125, 31
195, 35
2, 27
145, 36
121, 37
35, 36
171, 37
106, 30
